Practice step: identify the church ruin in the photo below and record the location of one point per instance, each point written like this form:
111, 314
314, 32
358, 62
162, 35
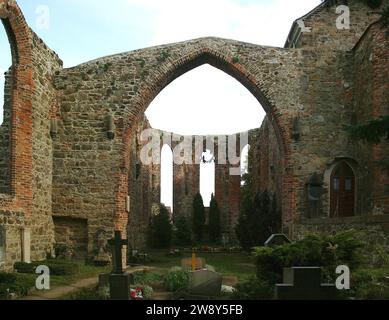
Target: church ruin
70, 168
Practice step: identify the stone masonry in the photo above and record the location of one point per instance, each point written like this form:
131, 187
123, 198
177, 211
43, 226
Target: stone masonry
70, 143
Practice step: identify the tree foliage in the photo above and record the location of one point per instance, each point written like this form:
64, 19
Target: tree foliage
182, 232
214, 226
372, 132
375, 132
259, 215
198, 217
160, 232
259, 219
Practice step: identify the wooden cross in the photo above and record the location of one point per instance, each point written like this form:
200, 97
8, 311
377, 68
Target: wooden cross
116, 246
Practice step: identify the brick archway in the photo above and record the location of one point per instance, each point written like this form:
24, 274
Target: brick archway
201, 53
19, 35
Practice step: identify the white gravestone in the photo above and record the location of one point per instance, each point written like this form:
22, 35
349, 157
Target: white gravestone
26, 245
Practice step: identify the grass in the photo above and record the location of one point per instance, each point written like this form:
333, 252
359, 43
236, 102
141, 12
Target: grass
86, 271
239, 265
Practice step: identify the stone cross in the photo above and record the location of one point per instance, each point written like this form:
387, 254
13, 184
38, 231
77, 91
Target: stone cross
304, 283
117, 244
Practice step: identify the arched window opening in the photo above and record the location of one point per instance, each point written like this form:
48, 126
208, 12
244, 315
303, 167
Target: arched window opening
207, 177
5, 66
204, 101
5, 110
167, 176
244, 163
342, 191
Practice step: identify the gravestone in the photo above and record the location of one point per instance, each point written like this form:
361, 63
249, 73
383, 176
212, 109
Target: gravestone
119, 281
205, 283
277, 239
26, 245
2, 244
304, 283
102, 257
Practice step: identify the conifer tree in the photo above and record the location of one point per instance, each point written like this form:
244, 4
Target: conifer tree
214, 227
198, 218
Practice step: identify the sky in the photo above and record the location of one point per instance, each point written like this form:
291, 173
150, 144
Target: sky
203, 101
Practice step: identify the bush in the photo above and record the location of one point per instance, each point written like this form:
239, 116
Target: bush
87, 294
141, 278
369, 285
176, 280
57, 267
11, 283
314, 250
22, 267
253, 289
161, 230
380, 256
7, 278
147, 291
182, 232
62, 251
63, 269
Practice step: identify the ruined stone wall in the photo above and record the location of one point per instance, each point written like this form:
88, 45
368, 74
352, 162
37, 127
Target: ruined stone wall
5, 137
11, 224
90, 171
86, 161
186, 184
144, 190
324, 33
73, 234
186, 178
46, 64
266, 161
30, 97
371, 101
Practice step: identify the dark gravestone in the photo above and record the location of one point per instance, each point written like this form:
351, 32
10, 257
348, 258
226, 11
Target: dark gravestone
277, 239
205, 283
119, 281
304, 283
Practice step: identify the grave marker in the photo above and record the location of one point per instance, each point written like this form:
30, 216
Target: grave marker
304, 283
277, 239
205, 283
119, 281
193, 264
26, 245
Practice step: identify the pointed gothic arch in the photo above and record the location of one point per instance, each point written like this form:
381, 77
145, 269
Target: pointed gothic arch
178, 59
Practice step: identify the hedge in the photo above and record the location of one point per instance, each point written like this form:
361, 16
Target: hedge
57, 267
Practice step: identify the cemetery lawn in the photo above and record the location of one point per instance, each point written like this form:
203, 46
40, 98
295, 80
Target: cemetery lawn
85, 272
240, 265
